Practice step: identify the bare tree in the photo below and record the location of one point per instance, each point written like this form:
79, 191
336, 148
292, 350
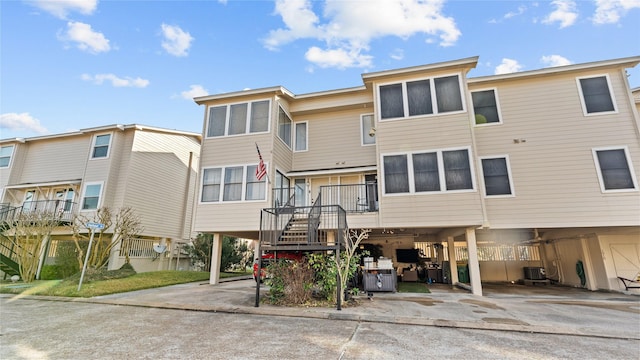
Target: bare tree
125, 225
346, 264
28, 234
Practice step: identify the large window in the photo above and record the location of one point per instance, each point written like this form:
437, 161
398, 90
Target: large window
237, 119
421, 172
101, 146
496, 176
6, 152
368, 130
284, 127
485, 107
232, 183
91, 196
301, 136
614, 169
421, 97
596, 95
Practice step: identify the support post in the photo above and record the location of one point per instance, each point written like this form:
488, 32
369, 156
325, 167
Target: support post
474, 265
453, 266
216, 254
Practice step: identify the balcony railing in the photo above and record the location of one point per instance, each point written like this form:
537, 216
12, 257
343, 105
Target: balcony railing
60, 210
355, 198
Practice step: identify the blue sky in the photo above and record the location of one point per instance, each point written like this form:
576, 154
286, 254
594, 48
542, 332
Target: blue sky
73, 64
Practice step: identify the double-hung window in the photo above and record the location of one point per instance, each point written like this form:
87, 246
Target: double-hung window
421, 97
232, 183
238, 119
596, 95
101, 146
6, 152
284, 127
614, 168
432, 171
301, 136
485, 106
497, 179
91, 196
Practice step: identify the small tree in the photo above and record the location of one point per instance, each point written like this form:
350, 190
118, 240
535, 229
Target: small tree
347, 263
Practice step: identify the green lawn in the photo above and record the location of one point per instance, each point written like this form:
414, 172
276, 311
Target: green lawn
92, 288
412, 287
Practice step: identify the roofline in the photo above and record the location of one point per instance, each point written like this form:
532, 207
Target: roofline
103, 128
460, 62
273, 89
332, 92
627, 62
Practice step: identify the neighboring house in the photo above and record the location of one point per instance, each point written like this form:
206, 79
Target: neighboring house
501, 173
151, 170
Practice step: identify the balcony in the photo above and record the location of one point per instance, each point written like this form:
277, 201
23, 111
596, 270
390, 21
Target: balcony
354, 198
63, 211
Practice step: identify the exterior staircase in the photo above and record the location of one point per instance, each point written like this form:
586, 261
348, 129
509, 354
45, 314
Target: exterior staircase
8, 265
296, 231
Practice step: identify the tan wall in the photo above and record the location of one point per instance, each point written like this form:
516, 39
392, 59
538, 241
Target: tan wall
554, 176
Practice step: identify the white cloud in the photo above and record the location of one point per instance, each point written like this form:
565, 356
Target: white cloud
23, 121
194, 91
521, 10
176, 41
347, 27
565, 13
508, 66
98, 79
397, 54
61, 8
555, 60
610, 11
85, 38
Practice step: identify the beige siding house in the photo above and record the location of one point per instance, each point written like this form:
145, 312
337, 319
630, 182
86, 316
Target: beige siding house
151, 170
486, 179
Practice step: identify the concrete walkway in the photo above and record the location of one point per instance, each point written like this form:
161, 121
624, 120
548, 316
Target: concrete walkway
544, 309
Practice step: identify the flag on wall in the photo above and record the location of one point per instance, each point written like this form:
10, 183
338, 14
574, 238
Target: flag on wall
261, 170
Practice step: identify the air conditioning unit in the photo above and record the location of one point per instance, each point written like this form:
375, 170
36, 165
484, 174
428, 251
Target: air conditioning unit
534, 273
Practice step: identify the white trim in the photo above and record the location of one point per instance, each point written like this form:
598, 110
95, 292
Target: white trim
84, 193
331, 171
484, 188
247, 125
596, 162
373, 127
93, 146
48, 184
611, 94
434, 98
441, 172
295, 136
498, 108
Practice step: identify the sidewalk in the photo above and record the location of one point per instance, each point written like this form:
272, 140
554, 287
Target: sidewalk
532, 309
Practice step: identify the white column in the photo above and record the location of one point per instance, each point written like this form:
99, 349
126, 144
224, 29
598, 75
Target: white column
216, 254
453, 266
474, 265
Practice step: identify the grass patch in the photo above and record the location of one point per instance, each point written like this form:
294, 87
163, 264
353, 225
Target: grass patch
413, 287
107, 283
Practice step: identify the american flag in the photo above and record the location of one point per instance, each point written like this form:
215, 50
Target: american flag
261, 170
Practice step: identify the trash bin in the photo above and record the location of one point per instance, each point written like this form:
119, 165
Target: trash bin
463, 273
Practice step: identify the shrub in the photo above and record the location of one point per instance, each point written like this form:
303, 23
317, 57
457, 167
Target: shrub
51, 272
291, 282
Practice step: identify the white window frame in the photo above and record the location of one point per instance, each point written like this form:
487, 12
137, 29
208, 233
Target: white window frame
93, 146
222, 184
10, 156
495, 94
363, 136
441, 172
434, 99
84, 194
228, 119
584, 104
306, 136
484, 187
291, 130
596, 163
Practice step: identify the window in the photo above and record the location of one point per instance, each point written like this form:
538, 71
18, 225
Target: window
614, 169
415, 98
435, 171
29, 202
237, 119
301, 136
232, 183
284, 127
5, 155
211, 181
101, 146
368, 129
596, 95
485, 107
300, 192
496, 176
281, 189
91, 197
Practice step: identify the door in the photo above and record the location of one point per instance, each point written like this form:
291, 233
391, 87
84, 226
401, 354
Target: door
29, 203
64, 200
371, 186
